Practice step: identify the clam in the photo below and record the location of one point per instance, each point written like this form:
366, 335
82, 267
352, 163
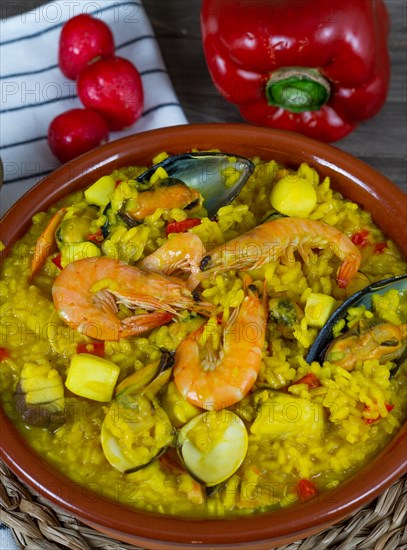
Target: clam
362, 297
213, 445
135, 432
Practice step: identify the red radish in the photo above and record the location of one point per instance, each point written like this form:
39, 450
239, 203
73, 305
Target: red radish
76, 131
112, 86
83, 39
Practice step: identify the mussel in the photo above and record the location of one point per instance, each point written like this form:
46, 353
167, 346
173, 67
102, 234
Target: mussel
166, 193
219, 177
363, 297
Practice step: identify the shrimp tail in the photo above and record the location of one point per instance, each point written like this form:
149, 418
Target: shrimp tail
138, 324
46, 242
347, 270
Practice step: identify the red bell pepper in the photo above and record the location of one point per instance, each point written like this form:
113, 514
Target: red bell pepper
57, 261
96, 237
389, 408
361, 238
4, 354
312, 66
183, 225
310, 380
95, 348
306, 489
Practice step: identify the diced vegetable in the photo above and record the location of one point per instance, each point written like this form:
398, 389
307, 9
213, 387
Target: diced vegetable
96, 348
361, 238
283, 414
96, 237
92, 377
379, 248
57, 261
4, 354
319, 308
101, 191
389, 408
184, 225
306, 489
294, 196
310, 380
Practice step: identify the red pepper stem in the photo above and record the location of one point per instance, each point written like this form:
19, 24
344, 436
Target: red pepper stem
297, 89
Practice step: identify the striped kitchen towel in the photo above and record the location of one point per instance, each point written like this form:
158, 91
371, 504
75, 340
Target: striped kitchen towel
34, 90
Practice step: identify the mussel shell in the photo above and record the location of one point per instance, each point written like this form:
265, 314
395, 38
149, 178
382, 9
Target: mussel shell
204, 171
362, 297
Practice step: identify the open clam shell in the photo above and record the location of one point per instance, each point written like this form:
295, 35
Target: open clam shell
213, 445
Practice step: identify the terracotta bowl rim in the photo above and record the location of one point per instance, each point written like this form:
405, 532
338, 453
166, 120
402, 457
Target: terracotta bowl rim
288, 524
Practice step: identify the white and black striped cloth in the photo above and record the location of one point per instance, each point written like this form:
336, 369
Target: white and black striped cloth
34, 91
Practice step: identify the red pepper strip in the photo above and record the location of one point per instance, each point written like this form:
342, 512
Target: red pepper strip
4, 354
380, 247
360, 238
57, 261
95, 348
317, 68
184, 225
310, 379
96, 237
306, 489
372, 420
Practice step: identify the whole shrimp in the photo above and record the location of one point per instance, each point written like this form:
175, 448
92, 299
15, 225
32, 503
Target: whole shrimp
181, 253
271, 240
87, 291
217, 379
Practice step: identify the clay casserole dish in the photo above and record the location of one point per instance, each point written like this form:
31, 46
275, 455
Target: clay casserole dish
357, 182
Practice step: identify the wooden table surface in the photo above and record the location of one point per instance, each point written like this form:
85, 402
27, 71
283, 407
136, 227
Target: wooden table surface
381, 141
